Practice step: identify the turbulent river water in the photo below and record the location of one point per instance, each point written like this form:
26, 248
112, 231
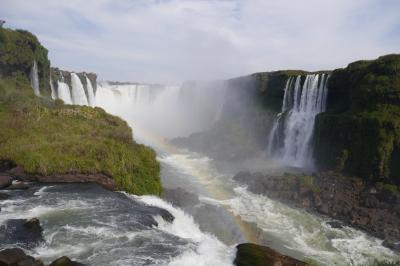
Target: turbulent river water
99, 227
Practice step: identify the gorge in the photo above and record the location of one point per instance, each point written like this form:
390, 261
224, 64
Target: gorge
181, 202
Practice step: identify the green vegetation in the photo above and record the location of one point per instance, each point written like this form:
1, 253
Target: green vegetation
392, 189
46, 137
360, 133
18, 50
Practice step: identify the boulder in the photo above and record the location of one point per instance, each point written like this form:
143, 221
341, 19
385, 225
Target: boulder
65, 261
17, 257
392, 244
180, 197
5, 181
4, 196
19, 185
335, 224
26, 233
255, 255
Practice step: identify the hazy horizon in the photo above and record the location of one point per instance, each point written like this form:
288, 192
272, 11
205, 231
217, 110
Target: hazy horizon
170, 41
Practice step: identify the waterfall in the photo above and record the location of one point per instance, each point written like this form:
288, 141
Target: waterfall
274, 136
34, 77
90, 91
296, 121
63, 91
53, 91
78, 92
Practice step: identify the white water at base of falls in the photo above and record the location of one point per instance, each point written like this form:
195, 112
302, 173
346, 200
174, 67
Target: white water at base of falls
78, 92
300, 106
90, 91
34, 77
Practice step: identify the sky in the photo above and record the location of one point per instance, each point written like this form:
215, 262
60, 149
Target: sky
169, 41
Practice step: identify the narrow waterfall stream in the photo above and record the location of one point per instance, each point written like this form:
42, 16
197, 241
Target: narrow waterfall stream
90, 92
34, 77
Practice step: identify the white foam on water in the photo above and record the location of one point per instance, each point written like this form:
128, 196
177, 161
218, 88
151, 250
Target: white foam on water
42, 190
307, 233
208, 250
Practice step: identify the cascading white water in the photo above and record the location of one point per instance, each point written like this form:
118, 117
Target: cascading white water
90, 92
34, 77
300, 106
53, 91
274, 136
78, 92
63, 91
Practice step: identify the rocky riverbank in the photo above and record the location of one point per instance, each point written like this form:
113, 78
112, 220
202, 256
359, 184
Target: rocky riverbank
372, 208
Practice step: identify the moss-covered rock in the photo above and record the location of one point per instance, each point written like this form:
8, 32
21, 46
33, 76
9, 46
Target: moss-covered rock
360, 132
255, 255
18, 50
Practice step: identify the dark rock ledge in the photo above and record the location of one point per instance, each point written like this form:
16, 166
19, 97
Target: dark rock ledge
26, 233
17, 257
16, 178
254, 255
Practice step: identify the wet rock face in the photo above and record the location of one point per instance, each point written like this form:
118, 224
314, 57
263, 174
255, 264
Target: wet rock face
349, 200
180, 197
4, 196
27, 233
65, 261
5, 181
17, 257
100, 179
254, 255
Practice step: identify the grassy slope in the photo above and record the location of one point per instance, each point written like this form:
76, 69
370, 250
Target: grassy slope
46, 137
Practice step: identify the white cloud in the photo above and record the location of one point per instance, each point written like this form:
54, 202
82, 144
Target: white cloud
174, 40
